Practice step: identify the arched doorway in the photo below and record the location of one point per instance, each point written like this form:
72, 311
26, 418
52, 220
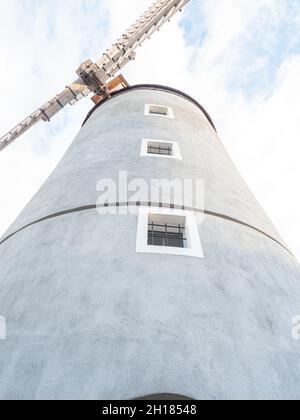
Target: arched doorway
164, 397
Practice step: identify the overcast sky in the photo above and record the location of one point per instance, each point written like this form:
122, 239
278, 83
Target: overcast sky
239, 58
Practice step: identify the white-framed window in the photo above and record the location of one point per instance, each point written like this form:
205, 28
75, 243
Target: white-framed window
159, 111
160, 148
168, 231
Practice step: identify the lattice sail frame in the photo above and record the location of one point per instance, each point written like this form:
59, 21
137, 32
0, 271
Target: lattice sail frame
94, 77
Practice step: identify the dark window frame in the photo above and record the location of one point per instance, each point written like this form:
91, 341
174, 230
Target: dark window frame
159, 110
166, 235
159, 150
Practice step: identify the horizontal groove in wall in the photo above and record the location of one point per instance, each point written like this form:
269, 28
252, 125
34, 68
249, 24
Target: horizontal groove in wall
140, 204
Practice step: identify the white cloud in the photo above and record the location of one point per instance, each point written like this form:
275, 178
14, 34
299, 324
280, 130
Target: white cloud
238, 58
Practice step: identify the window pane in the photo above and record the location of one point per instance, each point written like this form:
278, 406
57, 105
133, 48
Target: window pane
156, 148
160, 110
166, 235
160, 150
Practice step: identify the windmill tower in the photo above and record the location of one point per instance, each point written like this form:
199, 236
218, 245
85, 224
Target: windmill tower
128, 297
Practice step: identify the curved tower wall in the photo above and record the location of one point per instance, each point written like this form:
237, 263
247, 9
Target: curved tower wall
89, 317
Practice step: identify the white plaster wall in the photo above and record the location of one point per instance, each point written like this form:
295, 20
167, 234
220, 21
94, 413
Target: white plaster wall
89, 318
